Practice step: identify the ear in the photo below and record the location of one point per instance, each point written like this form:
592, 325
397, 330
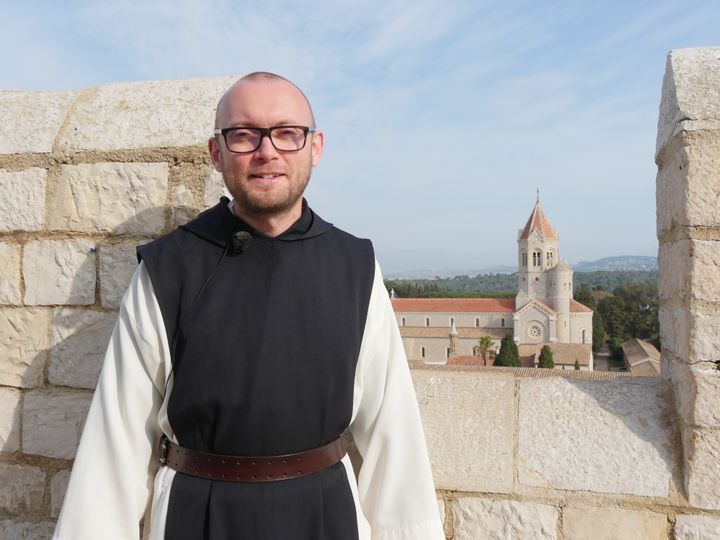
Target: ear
215, 154
316, 147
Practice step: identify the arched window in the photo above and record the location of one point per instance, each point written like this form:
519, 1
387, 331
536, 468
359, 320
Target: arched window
422, 352
477, 323
403, 321
448, 352
524, 259
537, 258
502, 322
452, 321
549, 259
427, 321
584, 335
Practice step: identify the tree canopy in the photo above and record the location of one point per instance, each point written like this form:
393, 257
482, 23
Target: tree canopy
508, 355
546, 358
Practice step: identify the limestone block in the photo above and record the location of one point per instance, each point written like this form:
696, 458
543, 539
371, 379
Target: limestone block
674, 264
674, 319
214, 189
690, 93
24, 340
20, 530
182, 208
469, 420
702, 474
80, 338
613, 524
697, 528
31, 120
9, 419
690, 331
697, 392
23, 198
59, 272
58, 487
110, 197
145, 115
502, 520
21, 488
118, 262
671, 190
601, 436
705, 270
10, 272
53, 422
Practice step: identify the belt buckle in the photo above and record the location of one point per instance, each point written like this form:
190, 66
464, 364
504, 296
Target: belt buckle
164, 443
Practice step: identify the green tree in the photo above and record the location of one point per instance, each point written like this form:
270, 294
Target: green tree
483, 347
546, 358
577, 365
508, 355
584, 296
631, 312
598, 331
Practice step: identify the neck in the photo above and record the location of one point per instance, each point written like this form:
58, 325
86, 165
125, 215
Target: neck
269, 225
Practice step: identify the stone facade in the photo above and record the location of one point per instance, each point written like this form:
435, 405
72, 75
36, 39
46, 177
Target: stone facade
566, 456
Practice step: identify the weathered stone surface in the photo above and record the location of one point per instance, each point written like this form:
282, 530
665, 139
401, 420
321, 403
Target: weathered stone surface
53, 422
9, 419
500, 520
31, 120
58, 486
613, 524
59, 272
690, 93
441, 510
118, 262
182, 209
688, 185
690, 331
21, 487
21, 530
23, 196
10, 272
702, 474
214, 189
705, 272
110, 197
697, 392
145, 115
608, 436
689, 269
80, 338
462, 413
24, 340
697, 528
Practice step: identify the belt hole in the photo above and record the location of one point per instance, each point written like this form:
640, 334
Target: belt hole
269, 462
297, 459
223, 462
238, 477
254, 463
253, 477
237, 463
269, 475
299, 472
223, 476
284, 460
284, 474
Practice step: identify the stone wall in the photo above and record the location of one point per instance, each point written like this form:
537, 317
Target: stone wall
87, 175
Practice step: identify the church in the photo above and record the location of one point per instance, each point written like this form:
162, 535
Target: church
448, 330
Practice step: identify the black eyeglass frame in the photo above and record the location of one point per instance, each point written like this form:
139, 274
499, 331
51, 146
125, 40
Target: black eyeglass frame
264, 132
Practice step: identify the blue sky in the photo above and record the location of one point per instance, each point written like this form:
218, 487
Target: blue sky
442, 118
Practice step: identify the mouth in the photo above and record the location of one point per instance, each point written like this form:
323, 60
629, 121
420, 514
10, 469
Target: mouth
265, 177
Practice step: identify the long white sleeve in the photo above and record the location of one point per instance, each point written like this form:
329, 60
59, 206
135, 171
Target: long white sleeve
112, 477
395, 484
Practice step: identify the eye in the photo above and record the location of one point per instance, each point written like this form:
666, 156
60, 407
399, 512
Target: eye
287, 132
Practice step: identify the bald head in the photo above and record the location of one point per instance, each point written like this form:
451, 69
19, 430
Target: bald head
222, 112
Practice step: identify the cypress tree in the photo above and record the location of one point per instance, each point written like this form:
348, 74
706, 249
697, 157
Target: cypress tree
546, 358
508, 355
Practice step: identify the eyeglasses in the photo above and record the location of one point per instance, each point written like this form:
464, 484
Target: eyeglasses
242, 140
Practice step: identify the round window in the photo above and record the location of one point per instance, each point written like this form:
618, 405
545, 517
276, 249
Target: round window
535, 331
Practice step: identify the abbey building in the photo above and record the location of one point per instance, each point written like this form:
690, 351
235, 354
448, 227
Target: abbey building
448, 330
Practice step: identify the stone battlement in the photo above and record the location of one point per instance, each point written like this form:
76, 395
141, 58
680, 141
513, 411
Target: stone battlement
87, 175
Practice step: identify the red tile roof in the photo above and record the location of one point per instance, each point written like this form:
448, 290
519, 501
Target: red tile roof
577, 307
442, 305
538, 222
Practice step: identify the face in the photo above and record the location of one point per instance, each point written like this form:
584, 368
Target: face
266, 182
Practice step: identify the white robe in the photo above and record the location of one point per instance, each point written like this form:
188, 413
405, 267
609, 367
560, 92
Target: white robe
116, 479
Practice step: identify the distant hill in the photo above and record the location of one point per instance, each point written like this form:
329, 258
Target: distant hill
623, 262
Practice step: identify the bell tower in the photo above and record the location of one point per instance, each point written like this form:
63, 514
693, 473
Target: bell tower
537, 252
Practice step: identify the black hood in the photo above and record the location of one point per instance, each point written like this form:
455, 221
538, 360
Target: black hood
218, 224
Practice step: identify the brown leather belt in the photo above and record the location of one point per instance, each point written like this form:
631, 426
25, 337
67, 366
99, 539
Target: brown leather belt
249, 468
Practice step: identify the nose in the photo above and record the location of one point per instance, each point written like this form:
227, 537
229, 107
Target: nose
266, 150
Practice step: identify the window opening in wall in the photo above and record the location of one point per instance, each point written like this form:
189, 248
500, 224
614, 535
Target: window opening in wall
584, 334
403, 321
549, 259
502, 322
448, 352
477, 323
427, 321
524, 259
422, 352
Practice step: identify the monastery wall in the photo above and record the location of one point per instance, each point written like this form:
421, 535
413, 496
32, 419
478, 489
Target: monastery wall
87, 175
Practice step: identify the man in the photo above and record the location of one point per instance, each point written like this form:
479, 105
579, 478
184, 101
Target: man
249, 341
